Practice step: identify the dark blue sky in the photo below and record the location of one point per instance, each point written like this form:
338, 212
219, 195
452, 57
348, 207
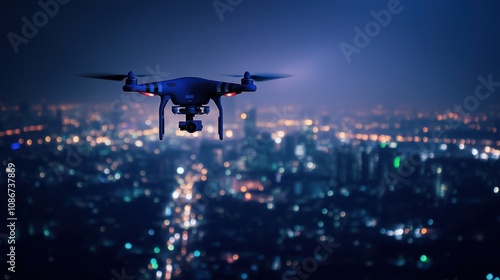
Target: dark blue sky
429, 54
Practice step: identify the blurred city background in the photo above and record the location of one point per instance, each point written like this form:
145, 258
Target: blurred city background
349, 195
378, 158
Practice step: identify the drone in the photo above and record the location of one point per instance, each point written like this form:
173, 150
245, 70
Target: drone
190, 95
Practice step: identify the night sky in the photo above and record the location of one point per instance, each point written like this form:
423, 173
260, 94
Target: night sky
428, 55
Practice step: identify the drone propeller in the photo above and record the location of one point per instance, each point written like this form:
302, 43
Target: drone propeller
264, 77
110, 77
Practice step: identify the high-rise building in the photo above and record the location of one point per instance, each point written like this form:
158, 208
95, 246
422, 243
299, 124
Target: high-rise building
250, 123
387, 161
290, 142
367, 164
58, 125
346, 165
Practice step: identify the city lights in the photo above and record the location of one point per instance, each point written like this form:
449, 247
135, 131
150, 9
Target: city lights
290, 178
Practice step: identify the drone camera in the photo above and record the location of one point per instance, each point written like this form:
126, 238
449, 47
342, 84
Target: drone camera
191, 126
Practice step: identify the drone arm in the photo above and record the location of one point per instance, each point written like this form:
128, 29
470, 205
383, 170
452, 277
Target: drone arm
135, 87
163, 103
228, 88
218, 103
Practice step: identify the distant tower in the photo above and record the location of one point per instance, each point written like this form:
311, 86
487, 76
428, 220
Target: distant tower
439, 187
58, 124
250, 123
290, 142
385, 163
367, 164
346, 165
309, 142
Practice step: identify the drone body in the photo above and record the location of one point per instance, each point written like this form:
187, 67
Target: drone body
190, 95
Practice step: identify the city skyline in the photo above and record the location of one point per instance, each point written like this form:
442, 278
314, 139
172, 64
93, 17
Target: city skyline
362, 196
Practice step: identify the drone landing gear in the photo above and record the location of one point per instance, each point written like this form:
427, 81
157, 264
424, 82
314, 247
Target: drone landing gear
190, 125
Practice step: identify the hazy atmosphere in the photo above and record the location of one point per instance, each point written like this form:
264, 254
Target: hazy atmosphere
425, 53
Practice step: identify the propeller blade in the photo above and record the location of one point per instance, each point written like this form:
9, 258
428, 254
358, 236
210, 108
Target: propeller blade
109, 77
268, 77
264, 77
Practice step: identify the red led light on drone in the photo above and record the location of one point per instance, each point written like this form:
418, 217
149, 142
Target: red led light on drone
147, 94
